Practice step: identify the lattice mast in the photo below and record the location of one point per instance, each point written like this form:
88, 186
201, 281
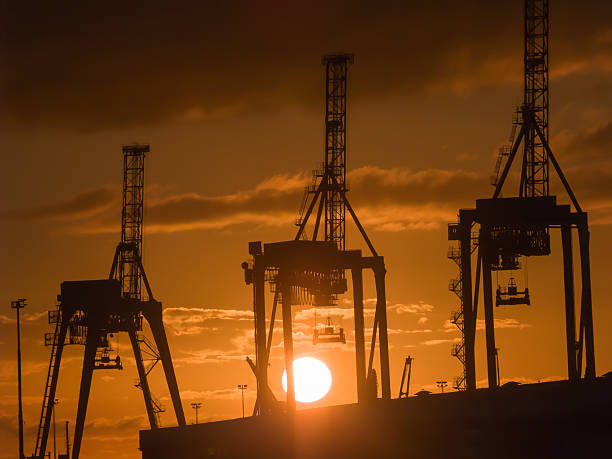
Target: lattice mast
336, 73
132, 219
129, 268
329, 188
534, 176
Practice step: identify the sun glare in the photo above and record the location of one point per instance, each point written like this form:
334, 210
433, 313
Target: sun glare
312, 379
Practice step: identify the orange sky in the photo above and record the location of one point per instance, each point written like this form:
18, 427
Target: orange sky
230, 98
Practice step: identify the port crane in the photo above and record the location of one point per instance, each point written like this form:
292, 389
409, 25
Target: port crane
90, 312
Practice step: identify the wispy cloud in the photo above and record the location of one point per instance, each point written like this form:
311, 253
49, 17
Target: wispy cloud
207, 356
435, 342
308, 314
8, 368
400, 331
386, 199
116, 425
419, 308
391, 200
191, 321
215, 394
27, 317
449, 327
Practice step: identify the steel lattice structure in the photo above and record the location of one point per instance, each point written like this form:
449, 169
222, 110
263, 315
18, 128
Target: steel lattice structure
132, 219
336, 71
330, 185
534, 176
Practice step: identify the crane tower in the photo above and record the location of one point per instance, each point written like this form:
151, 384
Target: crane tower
535, 180
132, 220
334, 174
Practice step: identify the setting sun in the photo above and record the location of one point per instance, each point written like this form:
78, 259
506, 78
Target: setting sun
312, 379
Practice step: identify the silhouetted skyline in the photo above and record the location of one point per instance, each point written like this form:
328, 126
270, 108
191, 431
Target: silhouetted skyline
230, 98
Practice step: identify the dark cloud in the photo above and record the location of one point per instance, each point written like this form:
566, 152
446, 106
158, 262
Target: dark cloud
588, 145
395, 199
115, 425
584, 154
88, 65
85, 204
8, 424
386, 199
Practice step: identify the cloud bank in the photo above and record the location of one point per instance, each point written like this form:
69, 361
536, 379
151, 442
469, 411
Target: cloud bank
174, 66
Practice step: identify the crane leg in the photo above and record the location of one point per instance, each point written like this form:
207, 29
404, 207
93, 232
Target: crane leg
489, 322
357, 276
288, 344
88, 366
469, 319
261, 348
383, 338
570, 318
587, 306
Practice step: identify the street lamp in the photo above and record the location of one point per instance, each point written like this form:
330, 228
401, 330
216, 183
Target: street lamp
441, 385
242, 388
19, 304
196, 406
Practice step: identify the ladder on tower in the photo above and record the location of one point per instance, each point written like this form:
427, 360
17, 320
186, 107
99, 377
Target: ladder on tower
52, 340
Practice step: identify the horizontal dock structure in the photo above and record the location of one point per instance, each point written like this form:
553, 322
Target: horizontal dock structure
545, 420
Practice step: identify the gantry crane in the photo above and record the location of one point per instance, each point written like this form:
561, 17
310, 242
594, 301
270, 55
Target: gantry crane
312, 269
91, 312
502, 230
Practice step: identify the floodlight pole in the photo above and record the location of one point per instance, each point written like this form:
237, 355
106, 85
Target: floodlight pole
196, 406
441, 385
67, 441
55, 402
19, 304
242, 388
